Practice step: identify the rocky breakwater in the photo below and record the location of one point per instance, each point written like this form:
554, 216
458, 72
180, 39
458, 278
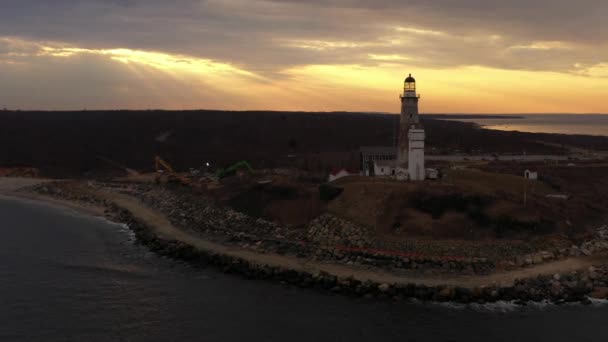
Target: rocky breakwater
328, 238
329, 230
343, 241
202, 216
571, 287
559, 288
598, 244
574, 286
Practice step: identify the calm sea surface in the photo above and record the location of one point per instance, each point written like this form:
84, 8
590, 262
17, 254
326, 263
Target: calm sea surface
66, 277
590, 124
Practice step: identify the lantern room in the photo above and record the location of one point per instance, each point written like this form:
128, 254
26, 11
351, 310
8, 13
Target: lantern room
410, 86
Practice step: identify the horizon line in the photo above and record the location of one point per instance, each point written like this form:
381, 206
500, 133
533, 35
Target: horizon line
6, 110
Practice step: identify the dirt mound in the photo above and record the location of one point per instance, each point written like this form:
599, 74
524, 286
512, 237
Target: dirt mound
283, 202
469, 205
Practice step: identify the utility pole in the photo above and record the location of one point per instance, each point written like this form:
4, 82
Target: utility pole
525, 191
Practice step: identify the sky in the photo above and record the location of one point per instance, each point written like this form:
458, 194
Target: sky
468, 56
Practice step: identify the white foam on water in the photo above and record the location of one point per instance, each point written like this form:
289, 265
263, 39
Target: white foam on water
598, 302
497, 307
512, 306
545, 304
122, 227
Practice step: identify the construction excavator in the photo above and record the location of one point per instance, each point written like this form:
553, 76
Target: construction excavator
166, 174
242, 166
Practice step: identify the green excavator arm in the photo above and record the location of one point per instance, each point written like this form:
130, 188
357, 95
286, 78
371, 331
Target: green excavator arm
242, 165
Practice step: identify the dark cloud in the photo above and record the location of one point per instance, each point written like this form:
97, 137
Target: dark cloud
268, 36
94, 81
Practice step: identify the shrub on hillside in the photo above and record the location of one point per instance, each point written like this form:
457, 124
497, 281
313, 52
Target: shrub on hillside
328, 192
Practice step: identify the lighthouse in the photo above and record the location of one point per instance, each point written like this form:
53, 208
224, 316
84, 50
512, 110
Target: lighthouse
406, 160
410, 152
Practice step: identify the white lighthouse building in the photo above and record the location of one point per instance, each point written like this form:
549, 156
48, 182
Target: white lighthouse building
410, 153
406, 161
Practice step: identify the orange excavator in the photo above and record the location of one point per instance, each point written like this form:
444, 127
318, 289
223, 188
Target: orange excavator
164, 169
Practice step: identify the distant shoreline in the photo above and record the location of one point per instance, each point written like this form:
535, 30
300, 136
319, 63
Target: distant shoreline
471, 116
554, 124
151, 110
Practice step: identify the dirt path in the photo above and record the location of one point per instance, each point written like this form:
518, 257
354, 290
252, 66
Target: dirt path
161, 225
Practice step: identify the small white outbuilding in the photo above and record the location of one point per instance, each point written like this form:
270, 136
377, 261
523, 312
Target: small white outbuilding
530, 175
384, 167
389, 168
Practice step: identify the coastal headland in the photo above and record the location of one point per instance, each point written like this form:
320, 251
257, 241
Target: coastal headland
260, 249
479, 233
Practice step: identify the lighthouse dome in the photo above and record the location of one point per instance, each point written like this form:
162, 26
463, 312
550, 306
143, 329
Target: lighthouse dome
410, 79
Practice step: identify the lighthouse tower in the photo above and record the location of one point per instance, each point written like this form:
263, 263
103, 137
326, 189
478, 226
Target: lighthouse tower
410, 151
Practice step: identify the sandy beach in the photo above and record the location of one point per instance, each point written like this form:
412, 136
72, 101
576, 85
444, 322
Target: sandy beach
9, 187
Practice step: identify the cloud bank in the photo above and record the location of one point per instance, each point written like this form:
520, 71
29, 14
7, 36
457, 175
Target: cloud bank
526, 56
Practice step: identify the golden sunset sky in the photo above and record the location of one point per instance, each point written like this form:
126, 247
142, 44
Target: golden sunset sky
469, 56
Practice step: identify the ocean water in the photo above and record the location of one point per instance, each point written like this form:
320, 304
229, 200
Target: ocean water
588, 124
66, 277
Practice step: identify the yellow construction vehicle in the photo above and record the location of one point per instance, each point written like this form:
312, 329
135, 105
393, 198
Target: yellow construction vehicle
164, 169
158, 162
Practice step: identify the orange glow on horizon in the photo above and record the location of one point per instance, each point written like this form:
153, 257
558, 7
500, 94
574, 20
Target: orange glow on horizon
349, 87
